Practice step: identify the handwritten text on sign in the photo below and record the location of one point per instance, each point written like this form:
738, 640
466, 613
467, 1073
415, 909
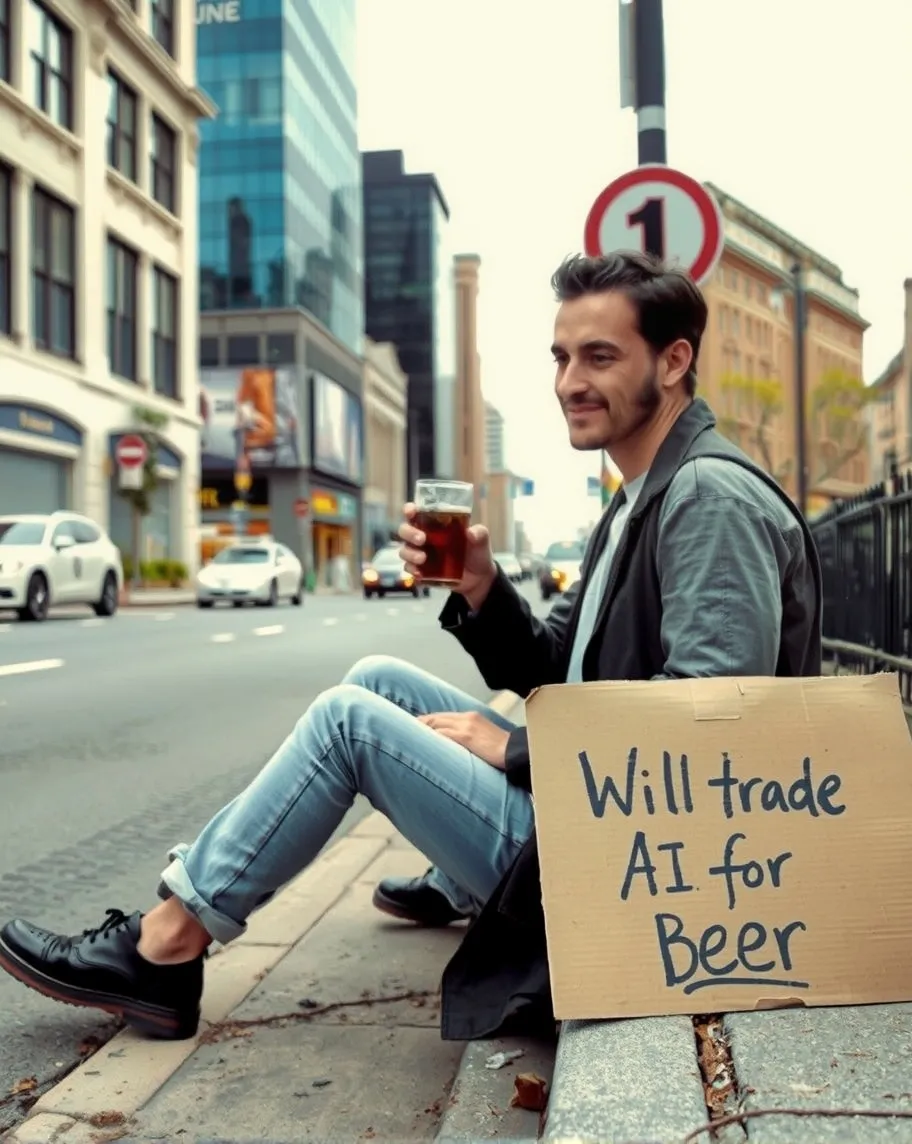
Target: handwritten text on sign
756, 953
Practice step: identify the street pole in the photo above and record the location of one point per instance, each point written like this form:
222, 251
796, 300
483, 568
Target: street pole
800, 316
649, 64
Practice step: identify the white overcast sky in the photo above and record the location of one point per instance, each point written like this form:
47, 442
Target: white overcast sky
801, 108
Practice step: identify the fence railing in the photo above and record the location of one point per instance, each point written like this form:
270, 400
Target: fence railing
865, 547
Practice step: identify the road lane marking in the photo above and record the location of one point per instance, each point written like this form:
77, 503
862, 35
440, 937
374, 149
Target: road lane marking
224, 637
360, 617
91, 623
330, 621
162, 616
392, 611
6, 627
29, 666
271, 630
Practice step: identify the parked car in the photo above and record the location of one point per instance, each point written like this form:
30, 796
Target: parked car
527, 564
61, 558
387, 573
255, 571
510, 566
561, 567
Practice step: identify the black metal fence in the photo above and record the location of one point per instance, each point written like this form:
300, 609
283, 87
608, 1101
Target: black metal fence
865, 547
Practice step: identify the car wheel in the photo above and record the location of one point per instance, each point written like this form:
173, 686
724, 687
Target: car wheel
273, 595
237, 603
381, 593
425, 591
546, 595
298, 598
367, 593
416, 591
107, 605
204, 603
37, 599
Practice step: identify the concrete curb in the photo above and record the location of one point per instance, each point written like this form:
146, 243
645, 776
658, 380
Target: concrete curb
126, 1073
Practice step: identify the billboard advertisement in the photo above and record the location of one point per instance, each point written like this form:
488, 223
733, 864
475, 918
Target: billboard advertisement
337, 431
250, 419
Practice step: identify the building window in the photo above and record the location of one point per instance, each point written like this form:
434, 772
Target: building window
5, 40
164, 155
281, 349
162, 12
6, 244
209, 351
164, 333
121, 126
53, 274
51, 51
244, 349
122, 273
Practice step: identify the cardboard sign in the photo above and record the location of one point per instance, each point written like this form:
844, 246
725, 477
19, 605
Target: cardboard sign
716, 845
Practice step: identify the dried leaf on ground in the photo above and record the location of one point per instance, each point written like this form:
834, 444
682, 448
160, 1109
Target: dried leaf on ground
26, 1084
530, 1091
107, 1119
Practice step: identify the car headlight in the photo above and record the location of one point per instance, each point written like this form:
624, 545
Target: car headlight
370, 576
408, 580
11, 567
555, 575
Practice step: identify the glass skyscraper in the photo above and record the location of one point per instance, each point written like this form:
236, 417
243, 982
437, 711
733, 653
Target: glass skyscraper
280, 172
410, 299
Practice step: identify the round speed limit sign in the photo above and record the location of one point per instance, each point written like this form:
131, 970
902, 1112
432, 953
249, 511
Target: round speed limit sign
655, 208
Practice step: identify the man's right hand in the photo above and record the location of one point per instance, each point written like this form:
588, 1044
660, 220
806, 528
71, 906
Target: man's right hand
479, 572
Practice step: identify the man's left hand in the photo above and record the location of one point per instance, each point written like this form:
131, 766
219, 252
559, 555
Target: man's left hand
474, 732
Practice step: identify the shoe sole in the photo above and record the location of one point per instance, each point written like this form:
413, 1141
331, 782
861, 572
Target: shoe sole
387, 906
151, 1020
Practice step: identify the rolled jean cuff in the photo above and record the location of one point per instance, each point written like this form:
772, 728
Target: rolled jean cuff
175, 881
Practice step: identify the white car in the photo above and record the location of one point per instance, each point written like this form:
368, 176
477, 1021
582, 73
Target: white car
509, 565
259, 572
62, 558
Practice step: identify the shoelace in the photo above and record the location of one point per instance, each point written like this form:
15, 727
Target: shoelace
114, 920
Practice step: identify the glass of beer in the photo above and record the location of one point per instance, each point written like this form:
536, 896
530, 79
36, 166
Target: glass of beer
444, 510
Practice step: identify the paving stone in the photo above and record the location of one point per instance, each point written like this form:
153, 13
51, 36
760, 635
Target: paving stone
357, 950
308, 1083
636, 1081
479, 1104
852, 1057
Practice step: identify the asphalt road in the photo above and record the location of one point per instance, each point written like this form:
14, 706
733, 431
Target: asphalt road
120, 737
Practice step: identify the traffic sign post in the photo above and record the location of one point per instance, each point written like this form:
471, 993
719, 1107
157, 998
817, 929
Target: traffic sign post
131, 453
659, 210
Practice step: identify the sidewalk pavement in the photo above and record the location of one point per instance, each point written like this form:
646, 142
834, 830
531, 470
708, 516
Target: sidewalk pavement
321, 1023
156, 597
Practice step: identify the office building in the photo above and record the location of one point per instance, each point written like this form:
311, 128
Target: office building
281, 292
280, 171
494, 439
386, 423
282, 445
468, 425
409, 299
890, 411
98, 249
747, 361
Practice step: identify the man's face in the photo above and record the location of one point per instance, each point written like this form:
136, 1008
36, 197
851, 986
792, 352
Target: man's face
607, 376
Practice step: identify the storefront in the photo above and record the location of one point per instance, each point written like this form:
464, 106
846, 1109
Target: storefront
39, 451
227, 512
161, 528
334, 516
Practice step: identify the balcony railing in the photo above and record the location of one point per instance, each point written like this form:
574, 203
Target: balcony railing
865, 547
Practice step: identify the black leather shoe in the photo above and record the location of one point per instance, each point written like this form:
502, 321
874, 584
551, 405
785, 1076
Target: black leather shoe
413, 900
102, 969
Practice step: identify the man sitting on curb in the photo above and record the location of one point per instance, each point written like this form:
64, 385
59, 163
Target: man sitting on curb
700, 566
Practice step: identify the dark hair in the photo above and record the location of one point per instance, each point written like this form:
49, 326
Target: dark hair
668, 302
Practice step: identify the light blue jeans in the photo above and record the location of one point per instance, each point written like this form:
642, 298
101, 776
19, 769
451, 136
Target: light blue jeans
360, 737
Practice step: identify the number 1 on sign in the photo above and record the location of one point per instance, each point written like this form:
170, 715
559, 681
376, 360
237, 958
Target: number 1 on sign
650, 218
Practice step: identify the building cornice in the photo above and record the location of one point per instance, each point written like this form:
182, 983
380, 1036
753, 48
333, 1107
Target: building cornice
118, 14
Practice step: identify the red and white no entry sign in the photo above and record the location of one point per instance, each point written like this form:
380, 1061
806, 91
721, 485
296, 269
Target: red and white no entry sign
131, 452
659, 209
